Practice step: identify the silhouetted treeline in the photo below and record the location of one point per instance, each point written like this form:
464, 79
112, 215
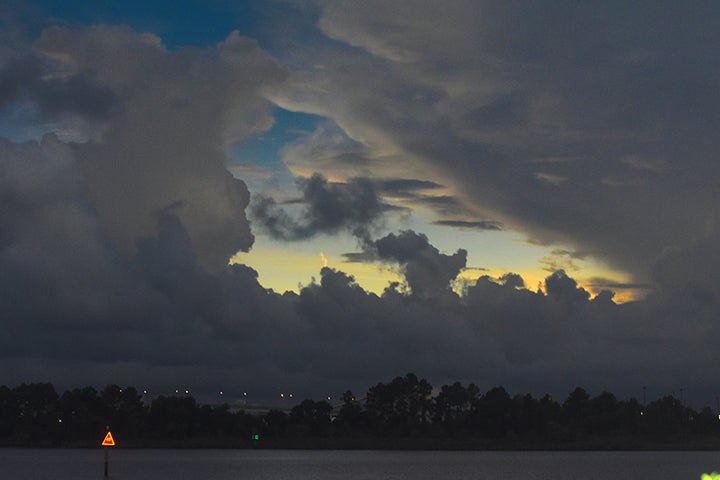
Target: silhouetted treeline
404, 412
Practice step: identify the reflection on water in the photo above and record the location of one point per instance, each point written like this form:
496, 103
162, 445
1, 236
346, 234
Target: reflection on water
69, 464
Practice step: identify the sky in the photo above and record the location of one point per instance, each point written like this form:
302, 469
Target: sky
315, 196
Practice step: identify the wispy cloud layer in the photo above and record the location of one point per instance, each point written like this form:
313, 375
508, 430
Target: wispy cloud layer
486, 97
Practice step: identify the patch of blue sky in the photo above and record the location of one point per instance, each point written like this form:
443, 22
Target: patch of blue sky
176, 22
18, 123
264, 150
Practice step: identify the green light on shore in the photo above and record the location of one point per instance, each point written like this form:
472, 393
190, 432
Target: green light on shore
255, 437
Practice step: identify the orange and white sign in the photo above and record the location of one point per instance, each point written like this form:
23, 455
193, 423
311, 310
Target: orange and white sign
109, 441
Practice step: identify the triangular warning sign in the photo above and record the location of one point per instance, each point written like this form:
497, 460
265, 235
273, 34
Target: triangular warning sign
108, 442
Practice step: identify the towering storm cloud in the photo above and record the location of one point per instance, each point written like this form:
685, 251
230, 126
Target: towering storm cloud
148, 127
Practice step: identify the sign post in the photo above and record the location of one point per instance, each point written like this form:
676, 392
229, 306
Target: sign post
107, 442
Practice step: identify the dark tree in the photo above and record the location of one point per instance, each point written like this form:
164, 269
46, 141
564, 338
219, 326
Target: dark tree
576, 412
83, 414
452, 406
311, 417
9, 412
525, 415
173, 417
666, 416
276, 423
400, 407
605, 414
351, 417
491, 413
38, 414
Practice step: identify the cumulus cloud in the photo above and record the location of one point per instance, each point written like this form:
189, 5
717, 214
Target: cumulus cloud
156, 124
427, 271
559, 285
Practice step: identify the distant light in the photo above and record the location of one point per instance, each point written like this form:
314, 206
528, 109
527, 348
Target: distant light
352, 399
255, 437
244, 394
719, 416
642, 413
221, 393
144, 392
59, 420
121, 390
291, 395
187, 392
177, 391
329, 397
282, 395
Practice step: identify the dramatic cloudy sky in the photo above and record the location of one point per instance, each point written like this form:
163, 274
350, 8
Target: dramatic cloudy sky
313, 196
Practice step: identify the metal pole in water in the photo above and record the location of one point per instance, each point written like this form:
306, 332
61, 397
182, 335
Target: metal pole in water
107, 443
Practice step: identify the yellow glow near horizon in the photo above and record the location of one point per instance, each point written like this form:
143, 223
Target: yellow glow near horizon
290, 271
284, 267
284, 270
535, 280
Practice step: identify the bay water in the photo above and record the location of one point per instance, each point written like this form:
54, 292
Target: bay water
156, 464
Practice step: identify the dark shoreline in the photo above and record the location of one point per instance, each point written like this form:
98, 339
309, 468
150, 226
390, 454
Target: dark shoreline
401, 415
399, 444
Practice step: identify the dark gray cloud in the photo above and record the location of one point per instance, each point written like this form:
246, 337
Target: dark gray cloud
427, 271
689, 272
503, 112
612, 284
560, 285
408, 188
327, 208
481, 225
445, 205
512, 280
578, 125
360, 257
53, 93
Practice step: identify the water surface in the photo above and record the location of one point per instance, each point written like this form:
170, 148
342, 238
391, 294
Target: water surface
127, 464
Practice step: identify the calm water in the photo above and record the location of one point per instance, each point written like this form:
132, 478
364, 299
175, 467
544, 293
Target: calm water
31, 464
